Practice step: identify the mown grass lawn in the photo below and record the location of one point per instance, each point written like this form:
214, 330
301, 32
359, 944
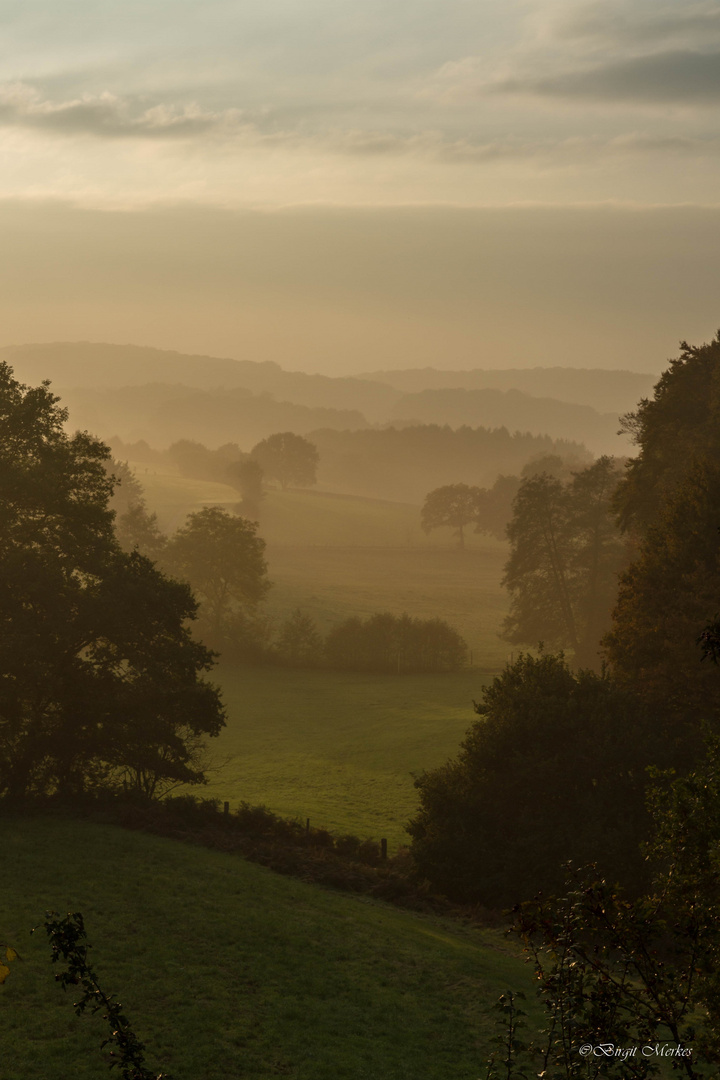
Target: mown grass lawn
228, 970
335, 747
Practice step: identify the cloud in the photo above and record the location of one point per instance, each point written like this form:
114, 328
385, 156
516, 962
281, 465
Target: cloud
678, 76
104, 115
604, 23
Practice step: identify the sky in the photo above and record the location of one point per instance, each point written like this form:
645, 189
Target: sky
343, 187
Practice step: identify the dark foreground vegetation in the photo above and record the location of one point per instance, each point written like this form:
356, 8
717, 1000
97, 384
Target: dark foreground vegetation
104, 693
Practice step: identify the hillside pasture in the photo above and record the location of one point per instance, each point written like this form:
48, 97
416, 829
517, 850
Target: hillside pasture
226, 969
337, 748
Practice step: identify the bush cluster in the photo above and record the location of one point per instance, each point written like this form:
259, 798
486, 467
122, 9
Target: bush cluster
381, 643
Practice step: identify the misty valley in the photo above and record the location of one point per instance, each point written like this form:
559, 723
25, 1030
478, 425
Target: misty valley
308, 681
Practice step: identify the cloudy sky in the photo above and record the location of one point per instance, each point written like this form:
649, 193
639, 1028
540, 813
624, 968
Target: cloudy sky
343, 186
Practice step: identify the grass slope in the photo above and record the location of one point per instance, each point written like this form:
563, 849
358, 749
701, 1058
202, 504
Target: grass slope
337, 748
229, 971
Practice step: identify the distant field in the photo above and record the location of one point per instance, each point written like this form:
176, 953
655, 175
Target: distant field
340, 748
301, 518
337, 556
461, 587
337, 748
227, 970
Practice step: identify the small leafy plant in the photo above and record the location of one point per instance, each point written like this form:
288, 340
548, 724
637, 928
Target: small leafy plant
67, 940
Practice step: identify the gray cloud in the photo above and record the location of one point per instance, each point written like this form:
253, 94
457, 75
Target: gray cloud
619, 24
104, 115
678, 76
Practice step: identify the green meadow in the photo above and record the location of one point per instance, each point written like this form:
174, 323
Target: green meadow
227, 970
336, 747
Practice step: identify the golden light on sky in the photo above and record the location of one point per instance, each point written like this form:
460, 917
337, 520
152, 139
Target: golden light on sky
485, 183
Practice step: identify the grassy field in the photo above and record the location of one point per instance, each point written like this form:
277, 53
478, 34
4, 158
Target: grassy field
301, 518
229, 971
337, 748
461, 587
340, 748
337, 556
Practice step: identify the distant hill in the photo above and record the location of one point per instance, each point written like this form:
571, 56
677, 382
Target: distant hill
161, 414
403, 464
518, 412
605, 391
160, 396
84, 364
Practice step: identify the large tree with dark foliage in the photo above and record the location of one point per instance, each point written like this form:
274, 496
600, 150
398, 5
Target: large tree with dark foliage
101, 681
552, 770
566, 554
669, 502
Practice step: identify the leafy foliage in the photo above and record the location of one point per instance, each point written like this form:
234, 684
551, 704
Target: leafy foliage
616, 972
553, 770
300, 643
393, 643
454, 505
136, 528
67, 940
102, 681
288, 458
222, 558
566, 553
669, 504
680, 423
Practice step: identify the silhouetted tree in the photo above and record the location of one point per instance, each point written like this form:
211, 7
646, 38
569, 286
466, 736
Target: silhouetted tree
101, 679
454, 506
494, 507
566, 554
222, 558
300, 643
552, 770
392, 643
669, 503
287, 458
538, 573
680, 423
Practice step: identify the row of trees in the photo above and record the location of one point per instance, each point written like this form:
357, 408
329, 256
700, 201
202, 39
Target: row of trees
221, 556
286, 458
380, 643
566, 547
488, 510
555, 766
617, 770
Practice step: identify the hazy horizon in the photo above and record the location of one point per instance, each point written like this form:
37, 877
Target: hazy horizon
344, 189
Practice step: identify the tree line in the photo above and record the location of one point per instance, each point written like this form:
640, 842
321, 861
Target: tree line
286, 458
590, 798
566, 547
382, 643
